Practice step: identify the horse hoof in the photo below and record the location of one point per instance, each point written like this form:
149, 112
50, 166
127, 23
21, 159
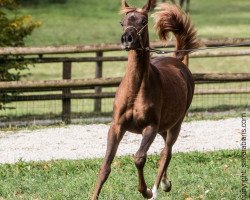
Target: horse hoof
154, 191
149, 194
166, 185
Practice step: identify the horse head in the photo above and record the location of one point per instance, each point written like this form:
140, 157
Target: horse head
135, 26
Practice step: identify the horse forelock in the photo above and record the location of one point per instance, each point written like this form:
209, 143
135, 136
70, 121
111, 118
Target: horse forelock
127, 10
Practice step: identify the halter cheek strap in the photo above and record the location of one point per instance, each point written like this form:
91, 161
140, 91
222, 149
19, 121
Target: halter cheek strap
139, 35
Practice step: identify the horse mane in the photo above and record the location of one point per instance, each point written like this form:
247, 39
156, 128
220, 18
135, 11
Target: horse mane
170, 18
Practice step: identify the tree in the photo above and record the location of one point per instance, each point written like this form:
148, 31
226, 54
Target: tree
13, 32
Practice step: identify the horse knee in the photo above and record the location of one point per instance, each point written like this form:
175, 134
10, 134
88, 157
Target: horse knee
140, 161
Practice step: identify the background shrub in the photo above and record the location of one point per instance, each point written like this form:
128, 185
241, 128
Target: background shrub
14, 29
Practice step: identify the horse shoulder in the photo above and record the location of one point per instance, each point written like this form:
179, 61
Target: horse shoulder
122, 110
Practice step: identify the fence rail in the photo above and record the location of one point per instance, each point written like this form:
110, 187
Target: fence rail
112, 95
106, 47
109, 82
100, 58
66, 85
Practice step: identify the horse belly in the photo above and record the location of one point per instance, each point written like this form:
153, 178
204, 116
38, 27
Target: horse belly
174, 103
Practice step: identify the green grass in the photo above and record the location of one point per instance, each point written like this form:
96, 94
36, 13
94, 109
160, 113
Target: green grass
89, 22
213, 175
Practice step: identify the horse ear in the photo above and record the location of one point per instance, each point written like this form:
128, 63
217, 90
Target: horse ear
124, 4
147, 7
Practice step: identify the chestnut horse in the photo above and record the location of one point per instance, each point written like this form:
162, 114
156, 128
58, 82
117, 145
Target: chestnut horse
154, 94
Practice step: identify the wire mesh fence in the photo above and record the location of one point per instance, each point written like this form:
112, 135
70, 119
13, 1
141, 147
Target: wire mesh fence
234, 96
209, 99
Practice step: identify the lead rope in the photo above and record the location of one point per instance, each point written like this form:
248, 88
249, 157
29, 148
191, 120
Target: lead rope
158, 51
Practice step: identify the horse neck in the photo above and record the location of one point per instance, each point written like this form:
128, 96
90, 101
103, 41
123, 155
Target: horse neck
137, 72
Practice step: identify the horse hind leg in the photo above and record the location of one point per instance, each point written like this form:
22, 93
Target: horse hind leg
170, 138
149, 134
166, 185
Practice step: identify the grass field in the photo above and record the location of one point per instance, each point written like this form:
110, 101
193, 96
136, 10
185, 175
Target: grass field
196, 176
93, 21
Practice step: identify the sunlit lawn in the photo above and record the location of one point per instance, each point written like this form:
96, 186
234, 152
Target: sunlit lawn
198, 176
94, 21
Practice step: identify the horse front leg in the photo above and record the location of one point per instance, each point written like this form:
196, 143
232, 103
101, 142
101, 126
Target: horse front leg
114, 137
148, 135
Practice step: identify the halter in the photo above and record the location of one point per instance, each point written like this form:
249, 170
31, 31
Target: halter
139, 35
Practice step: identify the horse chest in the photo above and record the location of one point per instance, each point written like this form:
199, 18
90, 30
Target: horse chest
136, 118
139, 115
141, 109
142, 112
136, 110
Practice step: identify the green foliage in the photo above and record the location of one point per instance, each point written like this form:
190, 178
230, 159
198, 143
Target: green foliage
13, 32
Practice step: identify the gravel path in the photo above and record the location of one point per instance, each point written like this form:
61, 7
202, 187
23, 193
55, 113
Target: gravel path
78, 142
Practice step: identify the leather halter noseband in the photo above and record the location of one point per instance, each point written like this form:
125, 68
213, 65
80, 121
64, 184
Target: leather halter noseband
139, 35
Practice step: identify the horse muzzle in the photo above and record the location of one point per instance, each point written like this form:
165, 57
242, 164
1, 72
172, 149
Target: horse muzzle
128, 41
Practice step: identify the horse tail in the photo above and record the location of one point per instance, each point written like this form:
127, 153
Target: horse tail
170, 18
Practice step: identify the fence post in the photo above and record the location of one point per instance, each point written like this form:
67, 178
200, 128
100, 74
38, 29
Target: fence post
98, 74
66, 102
186, 61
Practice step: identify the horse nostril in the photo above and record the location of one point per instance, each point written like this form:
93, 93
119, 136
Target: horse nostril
123, 39
130, 38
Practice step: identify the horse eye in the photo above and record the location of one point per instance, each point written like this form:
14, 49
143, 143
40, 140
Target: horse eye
144, 22
121, 23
